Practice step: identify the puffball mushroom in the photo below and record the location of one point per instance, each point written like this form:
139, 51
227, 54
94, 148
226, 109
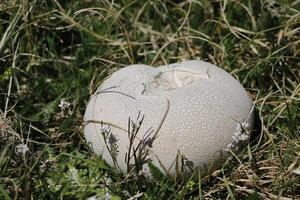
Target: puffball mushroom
192, 108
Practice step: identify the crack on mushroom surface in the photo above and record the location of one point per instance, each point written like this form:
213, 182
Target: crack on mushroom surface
170, 79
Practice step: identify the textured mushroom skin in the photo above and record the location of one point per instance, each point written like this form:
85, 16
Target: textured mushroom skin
199, 107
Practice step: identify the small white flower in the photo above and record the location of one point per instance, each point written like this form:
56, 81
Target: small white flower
244, 137
245, 125
229, 146
73, 171
108, 181
64, 104
241, 135
22, 149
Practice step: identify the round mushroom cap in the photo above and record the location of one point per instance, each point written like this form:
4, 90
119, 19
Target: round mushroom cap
191, 110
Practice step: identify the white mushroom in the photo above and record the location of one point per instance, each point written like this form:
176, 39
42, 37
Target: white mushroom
193, 107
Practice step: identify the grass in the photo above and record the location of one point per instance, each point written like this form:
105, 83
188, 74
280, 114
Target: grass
62, 50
